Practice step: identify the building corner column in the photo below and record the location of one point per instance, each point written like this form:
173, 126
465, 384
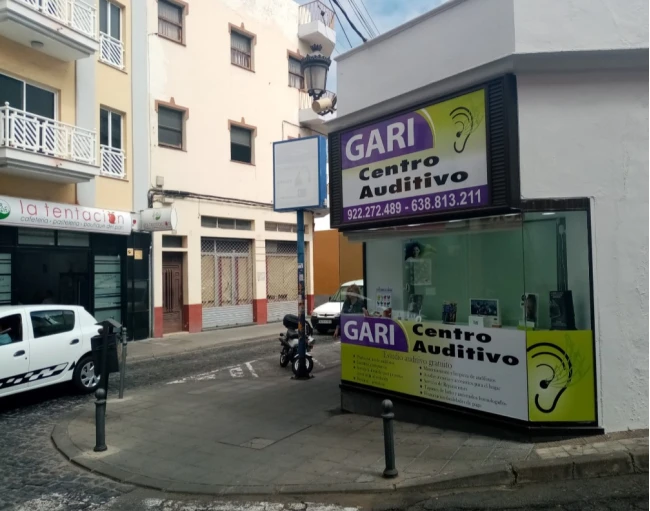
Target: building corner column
260, 303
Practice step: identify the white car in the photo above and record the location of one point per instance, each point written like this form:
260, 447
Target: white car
43, 345
326, 317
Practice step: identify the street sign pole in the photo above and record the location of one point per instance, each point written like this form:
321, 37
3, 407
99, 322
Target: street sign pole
302, 342
300, 184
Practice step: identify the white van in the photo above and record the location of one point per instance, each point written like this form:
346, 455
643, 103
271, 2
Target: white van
326, 317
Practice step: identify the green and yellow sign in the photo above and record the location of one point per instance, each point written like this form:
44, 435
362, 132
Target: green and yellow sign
536, 376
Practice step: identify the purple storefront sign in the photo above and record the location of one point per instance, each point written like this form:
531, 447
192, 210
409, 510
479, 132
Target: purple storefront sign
373, 332
414, 128
463, 198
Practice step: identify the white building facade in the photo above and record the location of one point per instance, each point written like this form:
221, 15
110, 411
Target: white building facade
224, 83
579, 75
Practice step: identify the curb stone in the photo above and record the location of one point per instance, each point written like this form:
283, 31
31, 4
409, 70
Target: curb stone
526, 472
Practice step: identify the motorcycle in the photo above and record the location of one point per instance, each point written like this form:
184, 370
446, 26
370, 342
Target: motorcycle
290, 341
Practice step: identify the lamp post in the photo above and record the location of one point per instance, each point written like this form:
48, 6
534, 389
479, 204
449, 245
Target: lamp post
315, 67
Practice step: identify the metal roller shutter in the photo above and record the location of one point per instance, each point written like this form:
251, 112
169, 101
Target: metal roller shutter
226, 282
281, 279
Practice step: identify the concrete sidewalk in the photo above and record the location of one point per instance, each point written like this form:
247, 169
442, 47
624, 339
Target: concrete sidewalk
273, 435
183, 342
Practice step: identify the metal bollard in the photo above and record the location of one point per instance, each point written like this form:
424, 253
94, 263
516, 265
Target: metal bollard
389, 439
100, 420
123, 364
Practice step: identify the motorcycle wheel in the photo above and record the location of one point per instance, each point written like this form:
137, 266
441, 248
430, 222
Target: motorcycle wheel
309, 363
284, 359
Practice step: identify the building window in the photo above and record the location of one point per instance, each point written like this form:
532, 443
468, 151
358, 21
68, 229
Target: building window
171, 20
281, 227
238, 224
241, 144
170, 127
27, 97
296, 79
111, 143
111, 48
172, 241
5, 279
28, 236
72, 239
241, 50
110, 129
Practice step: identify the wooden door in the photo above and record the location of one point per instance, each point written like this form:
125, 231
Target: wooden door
172, 292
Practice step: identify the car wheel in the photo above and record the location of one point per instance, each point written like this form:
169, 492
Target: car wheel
309, 363
322, 330
284, 359
84, 378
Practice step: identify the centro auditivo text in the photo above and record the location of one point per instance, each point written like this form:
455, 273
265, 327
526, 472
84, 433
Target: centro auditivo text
458, 350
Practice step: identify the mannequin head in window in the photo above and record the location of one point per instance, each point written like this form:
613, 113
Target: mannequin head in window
413, 251
530, 307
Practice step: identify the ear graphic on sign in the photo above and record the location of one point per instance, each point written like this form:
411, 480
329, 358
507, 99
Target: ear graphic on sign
467, 121
555, 370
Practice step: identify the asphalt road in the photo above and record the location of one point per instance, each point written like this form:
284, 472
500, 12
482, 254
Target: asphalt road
34, 475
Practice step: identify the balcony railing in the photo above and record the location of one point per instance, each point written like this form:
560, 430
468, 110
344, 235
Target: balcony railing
29, 132
112, 162
75, 14
111, 51
316, 11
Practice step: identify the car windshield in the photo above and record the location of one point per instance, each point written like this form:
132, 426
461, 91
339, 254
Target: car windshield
341, 293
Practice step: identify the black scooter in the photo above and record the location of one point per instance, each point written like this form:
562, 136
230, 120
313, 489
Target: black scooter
290, 340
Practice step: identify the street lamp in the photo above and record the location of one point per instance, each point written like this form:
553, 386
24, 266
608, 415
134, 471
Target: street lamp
315, 67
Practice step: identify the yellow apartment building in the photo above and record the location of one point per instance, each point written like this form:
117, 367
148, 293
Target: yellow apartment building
66, 159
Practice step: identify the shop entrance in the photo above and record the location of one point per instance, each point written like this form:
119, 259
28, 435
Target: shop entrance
59, 276
172, 292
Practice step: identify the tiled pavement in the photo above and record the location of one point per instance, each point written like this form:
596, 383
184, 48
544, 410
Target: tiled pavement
263, 435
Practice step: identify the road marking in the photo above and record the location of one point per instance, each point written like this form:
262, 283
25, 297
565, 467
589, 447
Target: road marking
237, 372
250, 368
318, 363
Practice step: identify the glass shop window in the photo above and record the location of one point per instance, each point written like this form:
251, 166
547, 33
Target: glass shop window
524, 271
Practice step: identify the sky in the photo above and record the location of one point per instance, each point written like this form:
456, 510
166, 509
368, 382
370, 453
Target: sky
386, 14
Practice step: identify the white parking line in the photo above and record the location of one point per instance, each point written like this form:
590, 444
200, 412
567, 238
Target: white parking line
237, 372
250, 368
319, 364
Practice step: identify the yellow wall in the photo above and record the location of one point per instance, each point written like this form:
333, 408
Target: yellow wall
15, 186
114, 93
32, 66
40, 69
